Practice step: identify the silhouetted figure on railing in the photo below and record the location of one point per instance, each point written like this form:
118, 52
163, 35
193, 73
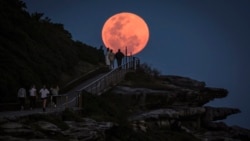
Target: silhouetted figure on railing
119, 56
107, 58
136, 62
111, 59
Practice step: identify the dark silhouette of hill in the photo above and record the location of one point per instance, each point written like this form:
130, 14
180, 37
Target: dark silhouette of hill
34, 50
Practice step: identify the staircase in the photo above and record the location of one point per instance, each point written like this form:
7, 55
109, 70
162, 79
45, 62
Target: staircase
73, 99
100, 85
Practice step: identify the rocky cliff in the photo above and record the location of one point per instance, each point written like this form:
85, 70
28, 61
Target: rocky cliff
174, 111
180, 106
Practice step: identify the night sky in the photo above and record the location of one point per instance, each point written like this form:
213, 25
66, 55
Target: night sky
206, 40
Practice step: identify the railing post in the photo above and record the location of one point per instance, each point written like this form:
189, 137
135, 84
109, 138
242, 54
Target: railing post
137, 63
134, 66
131, 63
96, 87
66, 106
79, 100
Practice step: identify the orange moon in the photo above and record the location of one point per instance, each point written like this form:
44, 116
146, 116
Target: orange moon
125, 30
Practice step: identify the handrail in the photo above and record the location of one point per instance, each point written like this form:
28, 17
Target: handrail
132, 64
97, 80
105, 82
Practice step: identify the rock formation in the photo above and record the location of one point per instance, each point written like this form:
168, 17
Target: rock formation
18, 130
178, 107
181, 106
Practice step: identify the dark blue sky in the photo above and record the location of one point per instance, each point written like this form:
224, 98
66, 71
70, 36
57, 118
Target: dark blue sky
207, 40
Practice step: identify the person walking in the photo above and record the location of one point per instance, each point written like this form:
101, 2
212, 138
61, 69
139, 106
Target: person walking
111, 59
119, 56
44, 94
107, 58
21, 94
54, 91
33, 96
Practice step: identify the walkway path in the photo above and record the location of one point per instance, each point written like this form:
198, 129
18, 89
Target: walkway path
96, 85
49, 109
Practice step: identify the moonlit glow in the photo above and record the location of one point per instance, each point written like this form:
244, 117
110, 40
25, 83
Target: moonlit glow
125, 30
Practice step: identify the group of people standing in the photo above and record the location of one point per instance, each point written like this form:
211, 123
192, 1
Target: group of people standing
33, 96
110, 57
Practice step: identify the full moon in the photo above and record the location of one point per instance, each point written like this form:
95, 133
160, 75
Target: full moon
125, 31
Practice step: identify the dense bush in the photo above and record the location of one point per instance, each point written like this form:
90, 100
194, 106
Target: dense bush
33, 50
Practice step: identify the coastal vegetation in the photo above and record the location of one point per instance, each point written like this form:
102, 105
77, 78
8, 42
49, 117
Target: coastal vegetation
34, 50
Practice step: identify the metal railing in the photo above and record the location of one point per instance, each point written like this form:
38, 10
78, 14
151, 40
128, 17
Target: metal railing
102, 84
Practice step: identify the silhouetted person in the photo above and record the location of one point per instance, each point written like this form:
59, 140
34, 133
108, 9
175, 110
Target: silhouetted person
119, 56
33, 96
44, 95
54, 91
111, 59
21, 94
107, 58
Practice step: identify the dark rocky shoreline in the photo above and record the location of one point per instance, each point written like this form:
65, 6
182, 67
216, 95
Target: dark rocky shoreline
177, 109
